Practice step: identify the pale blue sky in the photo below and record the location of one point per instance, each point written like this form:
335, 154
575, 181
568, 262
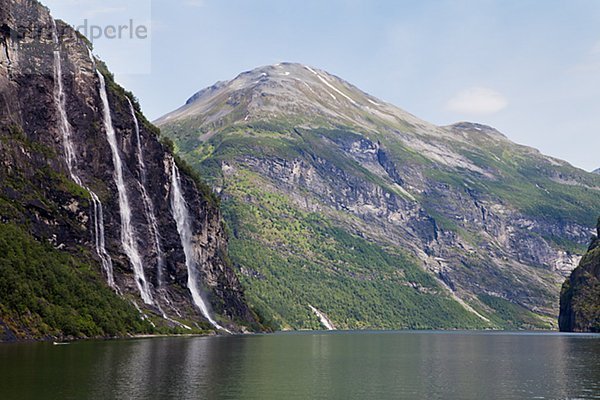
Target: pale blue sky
529, 68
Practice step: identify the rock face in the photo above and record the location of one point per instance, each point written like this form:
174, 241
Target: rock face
580, 296
597, 171
67, 198
303, 158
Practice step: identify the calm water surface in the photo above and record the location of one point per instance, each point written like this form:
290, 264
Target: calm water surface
352, 365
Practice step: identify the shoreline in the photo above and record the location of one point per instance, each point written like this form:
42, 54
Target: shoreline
300, 332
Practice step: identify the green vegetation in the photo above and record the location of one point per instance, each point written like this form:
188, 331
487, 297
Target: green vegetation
14, 134
580, 295
290, 259
472, 201
46, 292
121, 93
528, 180
510, 315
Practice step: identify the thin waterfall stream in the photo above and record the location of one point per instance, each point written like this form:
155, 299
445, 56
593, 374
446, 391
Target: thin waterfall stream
182, 218
151, 217
71, 159
128, 236
148, 205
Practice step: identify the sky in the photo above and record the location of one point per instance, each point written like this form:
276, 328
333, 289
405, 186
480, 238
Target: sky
530, 68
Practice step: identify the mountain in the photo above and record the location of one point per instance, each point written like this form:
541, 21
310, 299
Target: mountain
103, 231
580, 296
338, 201
597, 171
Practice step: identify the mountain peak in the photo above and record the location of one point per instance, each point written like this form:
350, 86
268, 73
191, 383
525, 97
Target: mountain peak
465, 125
284, 72
474, 127
292, 145
290, 91
596, 171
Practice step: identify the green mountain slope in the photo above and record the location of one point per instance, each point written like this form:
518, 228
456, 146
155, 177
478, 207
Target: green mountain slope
338, 200
45, 292
103, 231
291, 258
50, 285
580, 296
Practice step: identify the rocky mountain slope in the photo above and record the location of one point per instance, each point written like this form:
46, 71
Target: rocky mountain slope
343, 203
597, 171
580, 296
102, 230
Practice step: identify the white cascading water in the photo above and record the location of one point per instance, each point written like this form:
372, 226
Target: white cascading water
148, 205
128, 239
100, 240
325, 321
65, 129
150, 215
182, 218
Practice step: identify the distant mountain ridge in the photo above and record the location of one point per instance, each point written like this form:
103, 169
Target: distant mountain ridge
339, 200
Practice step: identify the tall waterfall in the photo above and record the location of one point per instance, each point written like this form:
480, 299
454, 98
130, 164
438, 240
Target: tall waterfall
148, 205
71, 159
150, 214
182, 218
128, 237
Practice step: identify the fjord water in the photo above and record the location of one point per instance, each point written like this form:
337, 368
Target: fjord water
340, 365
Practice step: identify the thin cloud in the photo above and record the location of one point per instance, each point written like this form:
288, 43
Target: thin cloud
477, 101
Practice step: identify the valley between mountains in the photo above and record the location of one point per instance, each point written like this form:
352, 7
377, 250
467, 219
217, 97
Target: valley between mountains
283, 199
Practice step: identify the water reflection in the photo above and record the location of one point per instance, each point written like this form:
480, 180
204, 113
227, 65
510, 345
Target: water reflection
404, 365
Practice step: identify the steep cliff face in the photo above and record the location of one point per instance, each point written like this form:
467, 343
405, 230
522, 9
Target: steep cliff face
325, 185
580, 296
82, 169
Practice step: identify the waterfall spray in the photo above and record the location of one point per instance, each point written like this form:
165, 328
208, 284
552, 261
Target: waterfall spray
151, 216
181, 215
128, 237
148, 205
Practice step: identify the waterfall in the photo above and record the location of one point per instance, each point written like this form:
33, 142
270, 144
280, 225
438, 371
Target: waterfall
100, 240
325, 321
150, 214
128, 239
65, 130
148, 205
182, 218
